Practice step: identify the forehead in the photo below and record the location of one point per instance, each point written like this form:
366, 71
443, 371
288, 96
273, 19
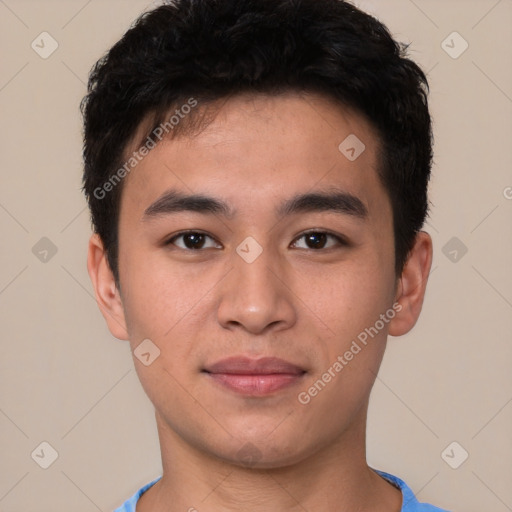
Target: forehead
261, 148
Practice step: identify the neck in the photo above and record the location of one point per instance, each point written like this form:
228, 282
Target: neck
333, 478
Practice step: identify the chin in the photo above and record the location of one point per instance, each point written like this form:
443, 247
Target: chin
255, 457
261, 452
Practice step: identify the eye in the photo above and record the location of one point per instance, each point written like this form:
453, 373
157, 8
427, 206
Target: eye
319, 240
192, 240
197, 240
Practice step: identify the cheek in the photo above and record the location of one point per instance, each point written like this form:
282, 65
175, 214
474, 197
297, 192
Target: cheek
348, 360
156, 294
345, 299
166, 303
159, 305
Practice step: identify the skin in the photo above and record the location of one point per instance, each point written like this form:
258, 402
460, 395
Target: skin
302, 304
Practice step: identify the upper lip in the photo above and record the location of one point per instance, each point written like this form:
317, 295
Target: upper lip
247, 366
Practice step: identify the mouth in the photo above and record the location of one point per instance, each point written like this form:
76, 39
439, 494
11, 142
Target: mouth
254, 377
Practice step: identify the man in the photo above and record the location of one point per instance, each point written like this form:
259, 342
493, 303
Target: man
257, 176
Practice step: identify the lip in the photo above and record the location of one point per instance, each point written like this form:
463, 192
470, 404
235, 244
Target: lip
255, 377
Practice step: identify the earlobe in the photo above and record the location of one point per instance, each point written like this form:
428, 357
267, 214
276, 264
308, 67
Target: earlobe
105, 288
412, 285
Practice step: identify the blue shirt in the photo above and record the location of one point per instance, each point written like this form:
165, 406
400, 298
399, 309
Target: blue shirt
409, 501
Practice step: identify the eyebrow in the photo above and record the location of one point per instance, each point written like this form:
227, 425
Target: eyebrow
330, 200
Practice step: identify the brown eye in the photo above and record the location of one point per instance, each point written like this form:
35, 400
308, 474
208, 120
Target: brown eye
192, 240
319, 240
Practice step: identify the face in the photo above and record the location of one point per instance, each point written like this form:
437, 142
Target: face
258, 294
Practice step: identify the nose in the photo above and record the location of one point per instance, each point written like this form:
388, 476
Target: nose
257, 296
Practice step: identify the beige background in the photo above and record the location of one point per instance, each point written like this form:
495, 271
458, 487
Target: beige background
65, 380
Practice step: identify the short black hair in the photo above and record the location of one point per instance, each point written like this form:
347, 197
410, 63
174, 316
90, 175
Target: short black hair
210, 50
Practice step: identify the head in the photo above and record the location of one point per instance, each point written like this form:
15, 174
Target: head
292, 141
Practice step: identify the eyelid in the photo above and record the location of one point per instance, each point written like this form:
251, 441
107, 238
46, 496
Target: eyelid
342, 241
170, 240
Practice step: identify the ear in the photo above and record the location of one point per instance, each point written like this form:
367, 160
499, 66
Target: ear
105, 288
412, 285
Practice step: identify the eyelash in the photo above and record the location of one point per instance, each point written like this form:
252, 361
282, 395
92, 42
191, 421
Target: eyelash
342, 242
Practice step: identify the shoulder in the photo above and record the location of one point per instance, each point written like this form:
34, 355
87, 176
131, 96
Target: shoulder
409, 503
130, 504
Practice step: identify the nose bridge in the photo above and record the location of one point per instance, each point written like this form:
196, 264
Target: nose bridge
254, 295
255, 269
